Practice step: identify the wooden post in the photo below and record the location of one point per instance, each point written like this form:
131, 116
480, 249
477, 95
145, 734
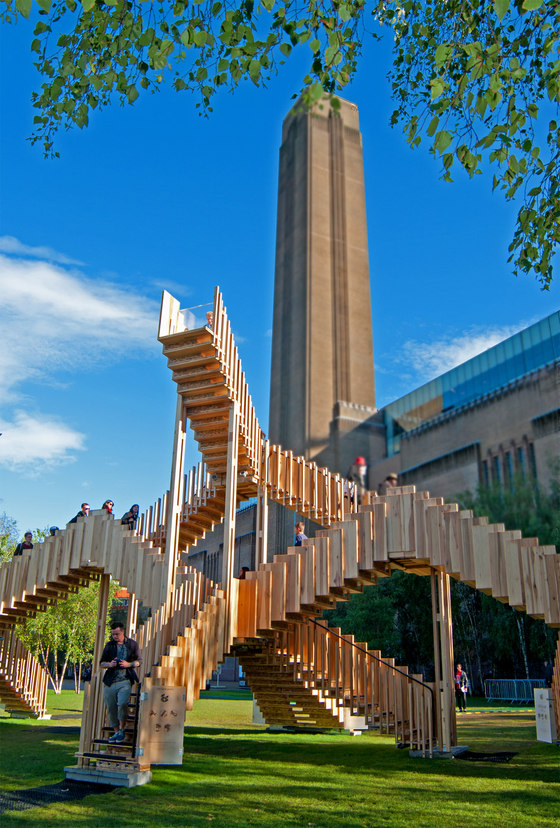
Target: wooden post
132, 617
174, 501
229, 515
447, 661
92, 695
102, 610
261, 546
437, 658
443, 659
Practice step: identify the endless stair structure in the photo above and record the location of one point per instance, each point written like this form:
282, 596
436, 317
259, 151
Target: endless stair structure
303, 675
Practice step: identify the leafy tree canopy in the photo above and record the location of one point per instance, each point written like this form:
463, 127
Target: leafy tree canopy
479, 79
8, 536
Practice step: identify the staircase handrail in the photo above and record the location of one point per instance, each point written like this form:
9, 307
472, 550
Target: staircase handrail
376, 658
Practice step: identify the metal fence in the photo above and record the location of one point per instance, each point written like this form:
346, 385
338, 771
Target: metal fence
512, 690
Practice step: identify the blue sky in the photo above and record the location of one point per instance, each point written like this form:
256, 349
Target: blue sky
153, 196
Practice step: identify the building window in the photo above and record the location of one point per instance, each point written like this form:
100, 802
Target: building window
522, 462
532, 460
508, 466
485, 474
497, 469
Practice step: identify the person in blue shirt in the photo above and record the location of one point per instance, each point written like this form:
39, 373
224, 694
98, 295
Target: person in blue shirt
298, 529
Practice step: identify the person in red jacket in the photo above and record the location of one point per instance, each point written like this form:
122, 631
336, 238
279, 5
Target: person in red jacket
461, 688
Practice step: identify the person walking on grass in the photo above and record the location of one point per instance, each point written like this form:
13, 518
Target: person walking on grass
461, 688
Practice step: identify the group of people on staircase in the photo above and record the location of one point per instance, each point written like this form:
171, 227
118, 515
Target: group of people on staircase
130, 519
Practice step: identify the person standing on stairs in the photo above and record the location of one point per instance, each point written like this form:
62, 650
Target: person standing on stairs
84, 512
120, 657
299, 533
130, 518
25, 544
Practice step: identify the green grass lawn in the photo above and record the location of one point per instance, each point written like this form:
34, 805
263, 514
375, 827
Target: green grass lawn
236, 774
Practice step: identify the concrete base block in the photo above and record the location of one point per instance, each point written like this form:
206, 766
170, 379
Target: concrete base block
106, 776
444, 754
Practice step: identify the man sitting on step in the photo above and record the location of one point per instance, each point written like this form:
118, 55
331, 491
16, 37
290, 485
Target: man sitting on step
119, 657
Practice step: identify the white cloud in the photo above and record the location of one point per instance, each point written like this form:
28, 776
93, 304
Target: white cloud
52, 318
29, 442
430, 359
11, 245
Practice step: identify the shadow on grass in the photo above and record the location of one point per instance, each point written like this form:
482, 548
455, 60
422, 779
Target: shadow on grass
250, 777
362, 756
33, 755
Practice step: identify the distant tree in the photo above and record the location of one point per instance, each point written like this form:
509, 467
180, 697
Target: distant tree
478, 78
497, 640
491, 639
65, 633
521, 505
8, 536
394, 617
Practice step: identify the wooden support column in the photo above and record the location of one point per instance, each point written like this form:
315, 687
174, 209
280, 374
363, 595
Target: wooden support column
94, 708
174, 501
132, 617
447, 659
443, 660
101, 624
261, 546
229, 518
437, 659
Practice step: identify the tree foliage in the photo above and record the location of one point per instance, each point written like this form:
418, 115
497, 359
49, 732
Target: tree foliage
64, 633
479, 79
8, 536
521, 505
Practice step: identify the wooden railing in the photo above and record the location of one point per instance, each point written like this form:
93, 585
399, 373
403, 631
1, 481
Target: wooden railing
387, 696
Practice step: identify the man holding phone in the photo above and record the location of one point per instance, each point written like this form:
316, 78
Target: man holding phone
120, 657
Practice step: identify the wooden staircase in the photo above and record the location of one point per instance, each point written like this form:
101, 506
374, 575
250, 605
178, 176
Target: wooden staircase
302, 674
23, 682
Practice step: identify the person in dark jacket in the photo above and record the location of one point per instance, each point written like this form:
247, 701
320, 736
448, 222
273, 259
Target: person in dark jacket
84, 512
129, 518
25, 545
108, 506
120, 657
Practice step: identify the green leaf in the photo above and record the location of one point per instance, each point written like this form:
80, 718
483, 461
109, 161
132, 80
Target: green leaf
45, 5
131, 93
501, 7
433, 126
315, 45
255, 71
531, 5
88, 5
199, 38
442, 140
23, 7
437, 87
443, 53
315, 92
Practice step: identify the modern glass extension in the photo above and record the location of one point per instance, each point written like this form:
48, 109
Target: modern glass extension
524, 352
